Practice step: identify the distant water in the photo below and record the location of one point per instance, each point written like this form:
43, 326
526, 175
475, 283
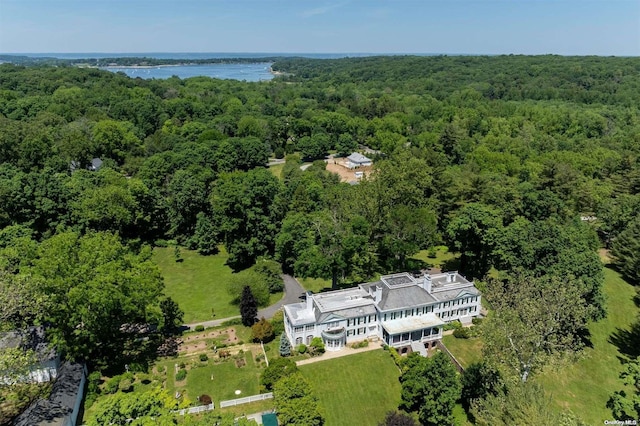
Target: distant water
245, 71
248, 72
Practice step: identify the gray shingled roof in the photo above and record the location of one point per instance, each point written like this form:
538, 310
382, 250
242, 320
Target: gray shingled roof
404, 297
349, 313
356, 157
59, 406
31, 338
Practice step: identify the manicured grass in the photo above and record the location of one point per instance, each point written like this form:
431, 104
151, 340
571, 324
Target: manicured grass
276, 169
466, 351
586, 385
315, 285
357, 389
198, 283
442, 257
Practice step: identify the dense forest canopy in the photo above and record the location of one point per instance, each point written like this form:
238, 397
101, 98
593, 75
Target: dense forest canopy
498, 157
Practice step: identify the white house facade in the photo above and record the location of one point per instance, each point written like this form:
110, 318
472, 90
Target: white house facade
403, 310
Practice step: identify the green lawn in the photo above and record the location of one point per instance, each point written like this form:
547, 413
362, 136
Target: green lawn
466, 351
315, 285
443, 257
198, 283
357, 389
584, 386
276, 169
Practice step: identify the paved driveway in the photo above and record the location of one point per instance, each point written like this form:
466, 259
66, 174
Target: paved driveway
293, 293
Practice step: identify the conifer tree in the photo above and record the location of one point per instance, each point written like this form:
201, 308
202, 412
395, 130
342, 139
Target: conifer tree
285, 346
248, 307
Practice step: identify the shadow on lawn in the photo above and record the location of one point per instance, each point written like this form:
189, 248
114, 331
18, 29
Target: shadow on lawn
627, 341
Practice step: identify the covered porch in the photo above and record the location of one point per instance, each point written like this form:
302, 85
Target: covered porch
411, 332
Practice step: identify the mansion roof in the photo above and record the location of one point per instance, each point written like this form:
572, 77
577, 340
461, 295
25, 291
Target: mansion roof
390, 293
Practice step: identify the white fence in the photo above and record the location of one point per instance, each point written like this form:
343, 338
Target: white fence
195, 410
246, 400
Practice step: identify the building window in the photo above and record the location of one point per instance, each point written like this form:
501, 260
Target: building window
309, 327
298, 340
298, 329
362, 330
385, 317
350, 333
309, 337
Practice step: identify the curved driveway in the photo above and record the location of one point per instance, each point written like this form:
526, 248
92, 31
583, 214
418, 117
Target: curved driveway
293, 293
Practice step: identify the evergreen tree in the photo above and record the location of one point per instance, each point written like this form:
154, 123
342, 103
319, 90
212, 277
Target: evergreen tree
626, 250
285, 345
248, 307
172, 315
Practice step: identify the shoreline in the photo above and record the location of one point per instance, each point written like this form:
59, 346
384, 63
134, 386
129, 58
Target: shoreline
185, 64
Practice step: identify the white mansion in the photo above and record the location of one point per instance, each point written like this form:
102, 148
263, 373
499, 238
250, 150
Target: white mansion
402, 310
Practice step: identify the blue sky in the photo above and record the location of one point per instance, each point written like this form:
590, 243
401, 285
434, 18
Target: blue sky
566, 27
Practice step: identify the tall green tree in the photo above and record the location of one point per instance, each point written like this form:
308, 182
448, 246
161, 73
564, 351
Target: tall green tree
430, 386
172, 315
248, 307
626, 251
295, 403
535, 321
96, 286
472, 232
247, 214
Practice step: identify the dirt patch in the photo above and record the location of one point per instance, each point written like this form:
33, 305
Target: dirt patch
338, 167
240, 362
196, 343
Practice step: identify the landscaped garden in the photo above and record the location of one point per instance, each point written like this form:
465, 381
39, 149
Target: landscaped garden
357, 389
220, 363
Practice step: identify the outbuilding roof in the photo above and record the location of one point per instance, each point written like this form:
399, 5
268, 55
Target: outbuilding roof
356, 157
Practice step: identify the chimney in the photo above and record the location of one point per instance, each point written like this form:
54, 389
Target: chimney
309, 302
450, 277
377, 295
427, 283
